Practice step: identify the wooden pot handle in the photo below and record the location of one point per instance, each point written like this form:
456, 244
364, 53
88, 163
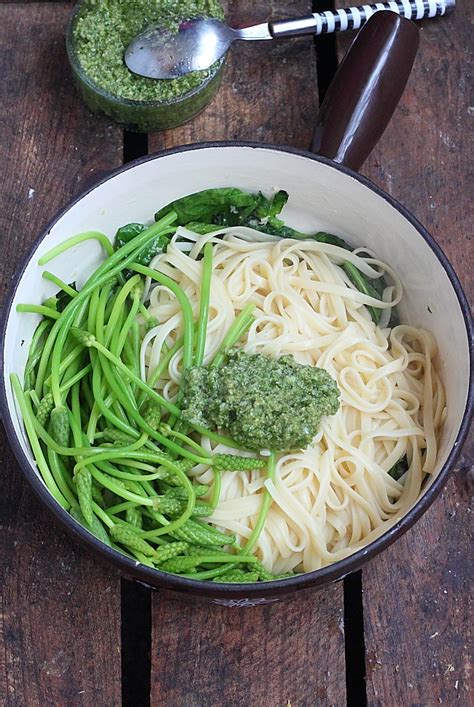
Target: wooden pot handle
366, 89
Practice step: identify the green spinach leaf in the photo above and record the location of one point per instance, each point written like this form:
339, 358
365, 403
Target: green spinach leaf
362, 283
127, 233
398, 469
60, 300
224, 207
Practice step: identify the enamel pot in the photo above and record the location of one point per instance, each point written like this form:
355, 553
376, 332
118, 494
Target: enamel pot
326, 193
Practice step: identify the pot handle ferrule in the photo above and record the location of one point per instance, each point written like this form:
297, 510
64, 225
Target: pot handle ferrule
366, 89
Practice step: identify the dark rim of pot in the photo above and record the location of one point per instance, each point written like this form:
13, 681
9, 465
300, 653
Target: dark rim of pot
333, 572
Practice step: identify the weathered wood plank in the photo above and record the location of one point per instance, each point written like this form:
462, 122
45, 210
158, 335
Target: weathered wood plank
418, 608
213, 656
208, 655
51, 146
60, 610
416, 594
269, 89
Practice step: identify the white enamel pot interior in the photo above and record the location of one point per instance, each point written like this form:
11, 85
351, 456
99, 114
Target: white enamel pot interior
323, 196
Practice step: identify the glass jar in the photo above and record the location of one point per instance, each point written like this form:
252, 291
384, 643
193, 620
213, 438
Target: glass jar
141, 116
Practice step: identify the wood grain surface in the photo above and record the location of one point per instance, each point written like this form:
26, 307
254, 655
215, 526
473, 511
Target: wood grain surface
59, 610
417, 594
269, 655
290, 651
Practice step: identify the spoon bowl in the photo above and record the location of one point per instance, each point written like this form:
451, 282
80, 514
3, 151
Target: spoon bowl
159, 53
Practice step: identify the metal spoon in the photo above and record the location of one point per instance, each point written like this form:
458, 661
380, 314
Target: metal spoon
158, 53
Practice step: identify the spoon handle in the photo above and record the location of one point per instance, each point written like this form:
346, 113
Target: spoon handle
354, 17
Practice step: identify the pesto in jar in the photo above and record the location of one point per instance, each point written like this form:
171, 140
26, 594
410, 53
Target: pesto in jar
104, 28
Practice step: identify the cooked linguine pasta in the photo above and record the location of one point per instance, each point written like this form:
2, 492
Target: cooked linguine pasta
336, 495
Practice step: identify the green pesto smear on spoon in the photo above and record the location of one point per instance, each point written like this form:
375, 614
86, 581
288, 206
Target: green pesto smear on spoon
104, 28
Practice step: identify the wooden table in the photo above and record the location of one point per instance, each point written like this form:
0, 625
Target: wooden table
73, 632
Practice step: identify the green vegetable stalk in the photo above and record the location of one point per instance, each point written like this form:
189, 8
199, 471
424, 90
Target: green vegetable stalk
96, 527
83, 480
126, 536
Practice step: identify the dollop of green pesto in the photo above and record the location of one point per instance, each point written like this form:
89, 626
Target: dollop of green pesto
264, 403
104, 28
